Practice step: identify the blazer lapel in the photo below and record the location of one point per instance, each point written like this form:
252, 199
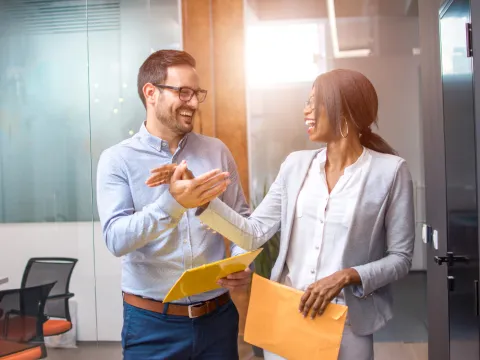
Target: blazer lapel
369, 201
294, 183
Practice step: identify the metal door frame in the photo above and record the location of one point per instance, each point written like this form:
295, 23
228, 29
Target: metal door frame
475, 20
435, 177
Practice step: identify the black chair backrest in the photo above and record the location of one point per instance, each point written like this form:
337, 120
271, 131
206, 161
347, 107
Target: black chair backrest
52, 269
22, 315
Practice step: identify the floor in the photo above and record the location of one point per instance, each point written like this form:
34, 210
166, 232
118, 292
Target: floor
113, 351
409, 323
404, 338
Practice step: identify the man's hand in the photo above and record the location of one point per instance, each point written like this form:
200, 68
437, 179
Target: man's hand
200, 190
163, 174
237, 281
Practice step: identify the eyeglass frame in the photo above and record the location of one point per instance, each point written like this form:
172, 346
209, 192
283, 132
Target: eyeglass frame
180, 88
310, 104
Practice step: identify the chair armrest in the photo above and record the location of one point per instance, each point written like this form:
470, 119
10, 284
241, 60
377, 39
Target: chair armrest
61, 296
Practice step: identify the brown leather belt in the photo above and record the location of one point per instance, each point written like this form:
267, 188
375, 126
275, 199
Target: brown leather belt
191, 311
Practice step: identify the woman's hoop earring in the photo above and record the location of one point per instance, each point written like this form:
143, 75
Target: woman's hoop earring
341, 132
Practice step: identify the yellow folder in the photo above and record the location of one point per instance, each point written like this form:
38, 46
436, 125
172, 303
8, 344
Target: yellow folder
274, 324
204, 278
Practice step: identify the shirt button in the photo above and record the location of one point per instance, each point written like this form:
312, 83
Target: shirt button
184, 241
312, 271
317, 247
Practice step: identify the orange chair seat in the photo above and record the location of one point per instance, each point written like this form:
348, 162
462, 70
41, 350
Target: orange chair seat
19, 351
56, 327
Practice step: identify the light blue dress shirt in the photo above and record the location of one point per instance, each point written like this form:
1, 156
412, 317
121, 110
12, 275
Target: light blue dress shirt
157, 238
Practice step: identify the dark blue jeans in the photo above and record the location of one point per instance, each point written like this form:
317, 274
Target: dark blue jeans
148, 335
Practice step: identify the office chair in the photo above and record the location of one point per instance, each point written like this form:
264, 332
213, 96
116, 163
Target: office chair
47, 269
21, 322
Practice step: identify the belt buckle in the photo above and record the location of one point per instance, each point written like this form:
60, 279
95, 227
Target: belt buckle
190, 314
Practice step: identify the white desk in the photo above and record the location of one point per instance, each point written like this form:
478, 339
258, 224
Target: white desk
3, 280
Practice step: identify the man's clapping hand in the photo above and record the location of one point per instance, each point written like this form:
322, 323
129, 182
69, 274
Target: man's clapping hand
163, 174
192, 193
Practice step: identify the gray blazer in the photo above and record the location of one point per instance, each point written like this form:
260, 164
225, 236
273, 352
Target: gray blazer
380, 239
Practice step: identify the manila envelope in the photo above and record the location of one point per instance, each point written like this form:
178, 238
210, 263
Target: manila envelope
204, 278
274, 323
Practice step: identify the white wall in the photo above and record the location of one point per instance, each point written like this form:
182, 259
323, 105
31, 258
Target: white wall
95, 279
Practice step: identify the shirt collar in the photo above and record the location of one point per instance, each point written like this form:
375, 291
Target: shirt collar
156, 142
322, 159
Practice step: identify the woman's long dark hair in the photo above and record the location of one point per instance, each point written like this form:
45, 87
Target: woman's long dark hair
348, 94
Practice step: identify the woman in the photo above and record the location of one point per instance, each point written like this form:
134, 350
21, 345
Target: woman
345, 213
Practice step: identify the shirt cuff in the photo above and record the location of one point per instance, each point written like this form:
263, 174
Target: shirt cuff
167, 203
358, 291
361, 291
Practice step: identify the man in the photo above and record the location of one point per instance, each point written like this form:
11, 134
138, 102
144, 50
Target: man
155, 229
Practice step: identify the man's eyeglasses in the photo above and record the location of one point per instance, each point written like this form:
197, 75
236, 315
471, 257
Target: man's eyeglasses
185, 93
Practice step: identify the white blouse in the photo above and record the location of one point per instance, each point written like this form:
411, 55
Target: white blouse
319, 233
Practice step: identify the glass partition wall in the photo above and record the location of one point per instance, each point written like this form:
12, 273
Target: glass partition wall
287, 46
68, 91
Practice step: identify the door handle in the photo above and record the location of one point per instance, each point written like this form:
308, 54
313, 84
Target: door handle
476, 297
451, 283
450, 259
468, 28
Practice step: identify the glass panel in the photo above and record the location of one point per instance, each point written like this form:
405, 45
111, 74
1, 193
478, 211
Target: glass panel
44, 129
137, 28
68, 73
287, 46
45, 163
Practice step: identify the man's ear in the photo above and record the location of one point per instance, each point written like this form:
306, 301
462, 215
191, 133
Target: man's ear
150, 93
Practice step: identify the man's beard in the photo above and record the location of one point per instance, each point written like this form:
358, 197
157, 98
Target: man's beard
170, 121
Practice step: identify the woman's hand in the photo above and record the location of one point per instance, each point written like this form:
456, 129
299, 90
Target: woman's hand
319, 294
162, 175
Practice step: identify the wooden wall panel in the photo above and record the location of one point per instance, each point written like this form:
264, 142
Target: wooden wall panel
213, 32
229, 81
197, 32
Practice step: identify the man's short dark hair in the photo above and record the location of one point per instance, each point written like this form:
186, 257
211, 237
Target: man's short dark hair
154, 69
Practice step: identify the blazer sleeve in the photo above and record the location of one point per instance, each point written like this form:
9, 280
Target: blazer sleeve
400, 238
251, 232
